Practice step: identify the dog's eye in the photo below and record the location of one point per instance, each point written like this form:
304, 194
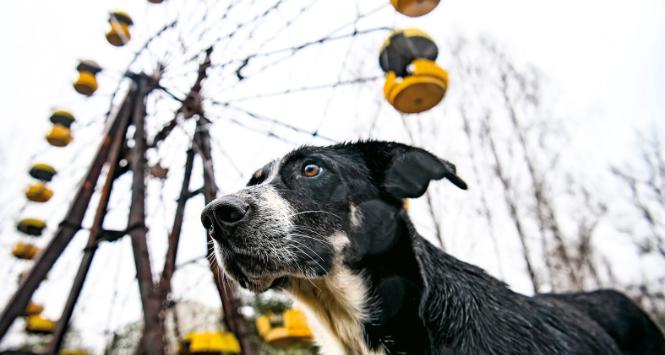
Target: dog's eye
311, 170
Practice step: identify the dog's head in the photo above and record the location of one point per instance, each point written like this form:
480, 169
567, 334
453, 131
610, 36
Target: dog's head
316, 206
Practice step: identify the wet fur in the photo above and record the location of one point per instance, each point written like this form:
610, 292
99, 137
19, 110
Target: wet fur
344, 248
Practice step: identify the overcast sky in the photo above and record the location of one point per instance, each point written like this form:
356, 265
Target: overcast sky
605, 58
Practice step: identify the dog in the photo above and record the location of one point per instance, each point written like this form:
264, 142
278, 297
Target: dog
327, 226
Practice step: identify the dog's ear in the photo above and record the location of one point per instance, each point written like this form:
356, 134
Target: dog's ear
404, 171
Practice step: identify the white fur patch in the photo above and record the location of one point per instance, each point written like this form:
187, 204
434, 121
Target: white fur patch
336, 307
274, 170
272, 204
355, 216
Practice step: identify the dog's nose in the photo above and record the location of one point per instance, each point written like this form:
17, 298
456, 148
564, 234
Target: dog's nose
226, 211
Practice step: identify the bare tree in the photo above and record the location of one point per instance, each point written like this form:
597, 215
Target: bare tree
644, 178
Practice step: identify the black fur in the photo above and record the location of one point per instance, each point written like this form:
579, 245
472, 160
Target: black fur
424, 300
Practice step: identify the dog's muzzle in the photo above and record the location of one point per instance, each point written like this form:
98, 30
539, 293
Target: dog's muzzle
224, 214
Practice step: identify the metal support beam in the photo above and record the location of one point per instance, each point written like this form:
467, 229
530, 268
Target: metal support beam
192, 107
153, 332
172, 250
93, 239
194, 192
232, 318
174, 236
63, 235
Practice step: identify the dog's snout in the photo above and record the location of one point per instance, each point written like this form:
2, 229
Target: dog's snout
225, 212
231, 211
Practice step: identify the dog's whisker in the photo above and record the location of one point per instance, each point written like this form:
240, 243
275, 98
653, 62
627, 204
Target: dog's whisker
304, 253
306, 228
310, 257
310, 249
310, 212
305, 236
309, 231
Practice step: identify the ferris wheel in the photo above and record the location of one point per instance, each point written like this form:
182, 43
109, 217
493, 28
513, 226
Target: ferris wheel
184, 86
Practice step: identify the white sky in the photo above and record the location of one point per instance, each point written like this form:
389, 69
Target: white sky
605, 57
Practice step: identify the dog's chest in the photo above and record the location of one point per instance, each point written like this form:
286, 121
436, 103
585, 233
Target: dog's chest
336, 307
